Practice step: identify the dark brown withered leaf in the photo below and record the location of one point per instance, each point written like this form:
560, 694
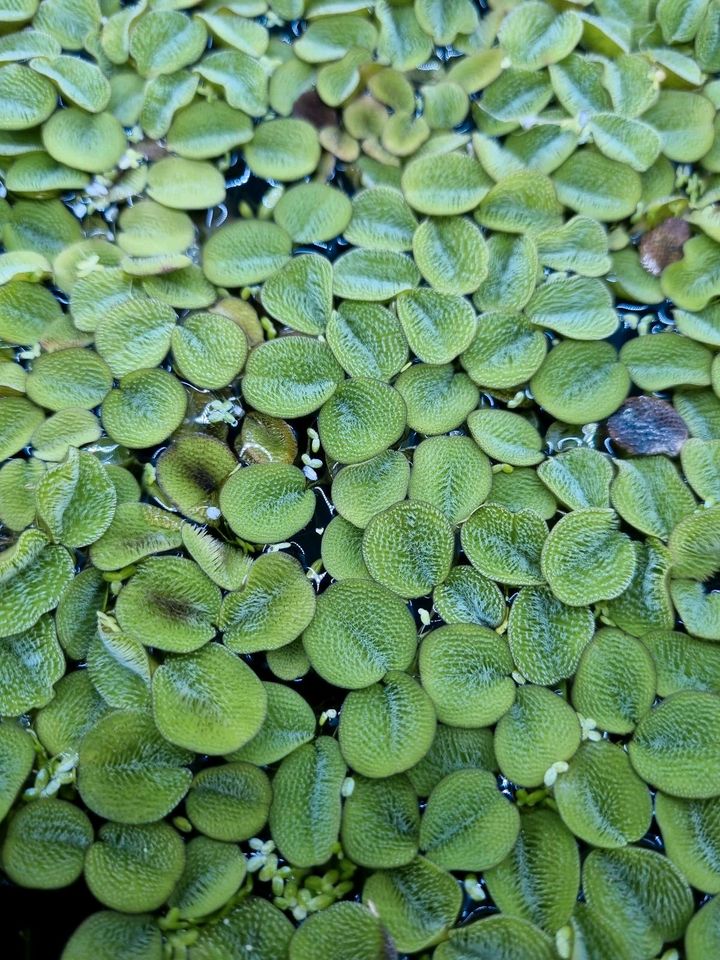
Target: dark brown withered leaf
663, 244
647, 425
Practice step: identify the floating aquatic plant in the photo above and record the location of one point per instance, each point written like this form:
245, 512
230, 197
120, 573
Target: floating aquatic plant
360, 482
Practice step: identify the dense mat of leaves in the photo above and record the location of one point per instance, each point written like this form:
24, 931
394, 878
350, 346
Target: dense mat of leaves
360, 497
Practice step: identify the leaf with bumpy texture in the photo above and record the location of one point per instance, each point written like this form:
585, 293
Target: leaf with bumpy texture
579, 478
453, 748
137, 530
505, 546
702, 935
646, 603
361, 490
360, 631
452, 474
289, 722
581, 381
134, 867
209, 701
409, 547
466, 671
497, 937
691, 835
212, 875
381, 822
33, 589
290, 376
388, 727
267, 502
275, 605
102, 935
343, 931
253, 922
361, 420
539, 879
585, 558
45, 844
546, 636
32, 663
601, 798
505, 436
76, 500
675, 740
367, 340
17, 754
127, 773
417, 903
643, 891
305, 812
229, 802
438, 326
695, 544
467, 823
468, 597
538, 730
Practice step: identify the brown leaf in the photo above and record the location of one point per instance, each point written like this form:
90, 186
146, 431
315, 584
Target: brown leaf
663, 244
310, 107
647, 425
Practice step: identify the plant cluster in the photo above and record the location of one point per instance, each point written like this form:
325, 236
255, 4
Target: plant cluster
360, 418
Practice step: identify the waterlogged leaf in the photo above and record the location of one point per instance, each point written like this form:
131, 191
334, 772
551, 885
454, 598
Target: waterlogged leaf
581, 382
367, 340
134, 867
343, 931
361, 419
144, 409
359, 632
673, 741
254, 922
579, 477
245, 252
305, 811
208, 701
136, 531
230, 802
666, 360
191, 471
417, 903
496, 937
601, 799
170, 604
438, 326
452, 474
17, 754
266, 439
583, 184
646, 603
467, 823
313, 212
373, 275
451, 254
408, 548
539, 879
546, 636
381, 822
290, 376
695, 544
466, 669
76, 500
361, 490
577, 307
464, 184
289, 722
643, 891
45, 844
539, 729
511, 274
505, 546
